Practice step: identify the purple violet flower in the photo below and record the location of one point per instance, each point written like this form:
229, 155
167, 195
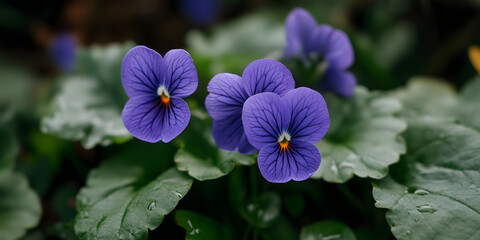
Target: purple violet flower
155, 85
285, 130
228, 92
62, 51
328, 47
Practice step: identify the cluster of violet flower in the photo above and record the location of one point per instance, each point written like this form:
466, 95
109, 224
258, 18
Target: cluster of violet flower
62, 51
261, 111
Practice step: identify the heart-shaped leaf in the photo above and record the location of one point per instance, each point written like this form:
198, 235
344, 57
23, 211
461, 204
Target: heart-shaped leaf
433, 97
19, 204
8, 148
231, 46
200, 157
263, 211
434, 191
199, 227
130, 194
327, 230
363, 139
89, 102
16, 87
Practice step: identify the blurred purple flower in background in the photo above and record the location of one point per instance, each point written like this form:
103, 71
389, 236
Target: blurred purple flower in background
155, 111
200, 13
285, 130
62, 51
228, 92
321, 45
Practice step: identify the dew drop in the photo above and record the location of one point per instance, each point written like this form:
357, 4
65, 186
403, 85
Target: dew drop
332, 237
426, 208
152, 206
195, 230
409, 232
473, 186
421, 192
179, 195
415, 219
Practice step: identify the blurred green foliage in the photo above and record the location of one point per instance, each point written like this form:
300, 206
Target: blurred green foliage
69, 169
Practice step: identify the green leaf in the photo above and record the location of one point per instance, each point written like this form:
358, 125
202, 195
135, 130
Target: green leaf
61, 201
89, 103
426, 96
262, 212
467, 109
20, 207
283, 229
8, 148
434, 97
200, 157
363, 138
127, 196
394, 44
104, 63
327, 230
62, 230
434, 191
201, 227
114, 206
230, 47
16, 86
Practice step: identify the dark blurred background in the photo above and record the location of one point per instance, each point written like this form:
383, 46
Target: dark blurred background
439, 31
393, 40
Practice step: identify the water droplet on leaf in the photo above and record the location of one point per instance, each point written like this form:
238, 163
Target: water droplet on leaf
332, 237
152, 206
426, 208
194, 231
421, 192
179, 195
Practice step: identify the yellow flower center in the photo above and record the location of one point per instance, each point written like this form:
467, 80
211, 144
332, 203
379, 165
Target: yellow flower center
284, 141
164, 95
284, 144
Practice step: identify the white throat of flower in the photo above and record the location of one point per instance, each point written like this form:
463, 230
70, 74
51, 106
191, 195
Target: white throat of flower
163, 91
284, 141
284, 137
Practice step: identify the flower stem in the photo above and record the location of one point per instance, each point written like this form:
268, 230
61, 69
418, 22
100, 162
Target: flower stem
253, 182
